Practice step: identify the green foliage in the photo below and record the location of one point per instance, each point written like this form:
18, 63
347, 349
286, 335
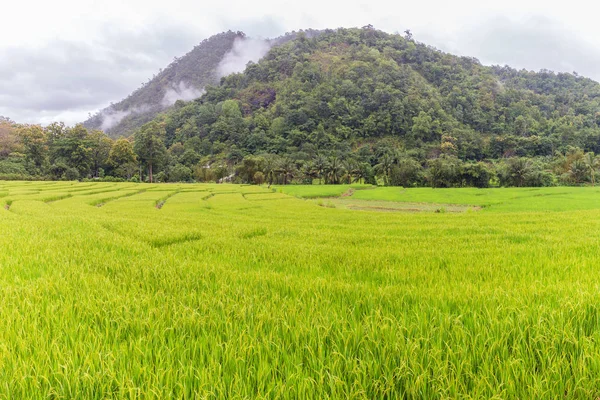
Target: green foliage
522, 172
477, 174
180, 173
444, 172
391, 106
407, 172
71, 174
149, 146
347, 86
337, 107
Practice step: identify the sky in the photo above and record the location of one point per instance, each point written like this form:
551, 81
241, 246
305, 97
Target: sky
61, 60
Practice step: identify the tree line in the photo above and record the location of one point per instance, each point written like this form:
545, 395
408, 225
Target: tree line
76, 153
59, 152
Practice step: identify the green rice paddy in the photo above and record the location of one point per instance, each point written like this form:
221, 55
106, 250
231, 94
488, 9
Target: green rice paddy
141, 291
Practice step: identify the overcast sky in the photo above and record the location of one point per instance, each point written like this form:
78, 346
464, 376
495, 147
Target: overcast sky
62, 59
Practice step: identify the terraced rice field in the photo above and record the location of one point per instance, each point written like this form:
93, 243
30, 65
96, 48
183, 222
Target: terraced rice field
225, 291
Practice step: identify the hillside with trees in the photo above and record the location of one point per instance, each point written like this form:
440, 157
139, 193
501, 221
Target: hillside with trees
385, 105
184, 77
358, 105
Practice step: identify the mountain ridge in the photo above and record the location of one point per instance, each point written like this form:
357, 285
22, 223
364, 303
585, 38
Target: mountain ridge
187, 74
184, 79
359, 83
342, 105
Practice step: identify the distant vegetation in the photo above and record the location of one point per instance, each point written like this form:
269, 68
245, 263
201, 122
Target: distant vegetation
343, 106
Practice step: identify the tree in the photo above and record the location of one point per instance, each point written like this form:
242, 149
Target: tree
34, 143
476, 174
149, 145
270, 168
73, 149
364, 173
100, 146
578, 171
8, 138
287, 169
384, 168
259, 178
221, 172
424, 127
350, 167
122, 158
248, 168
334, 171
516, 171
230, 125
407, 172
309, 172
180, 173
444, 172
320, 165
591, 162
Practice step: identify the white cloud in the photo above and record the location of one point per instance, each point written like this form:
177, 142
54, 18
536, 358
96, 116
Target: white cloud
180, 92
243, 51
65, 58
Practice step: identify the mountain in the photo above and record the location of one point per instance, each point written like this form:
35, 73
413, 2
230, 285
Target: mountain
184, 79
334, 105
346, 88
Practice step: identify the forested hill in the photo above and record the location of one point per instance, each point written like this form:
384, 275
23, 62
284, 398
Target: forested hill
331, 106
348, 87
184, 79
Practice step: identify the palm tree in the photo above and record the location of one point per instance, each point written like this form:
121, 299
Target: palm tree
350, 166
320, 165
270, 169
519, 169
287, 168
592, 163
578, 170
309, 171
361, 173
561, 162
334, 170
384, 168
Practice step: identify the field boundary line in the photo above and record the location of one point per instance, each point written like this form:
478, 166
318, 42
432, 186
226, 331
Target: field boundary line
160, 203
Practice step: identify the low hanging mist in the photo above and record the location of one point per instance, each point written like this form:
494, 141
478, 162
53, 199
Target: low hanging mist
242, 51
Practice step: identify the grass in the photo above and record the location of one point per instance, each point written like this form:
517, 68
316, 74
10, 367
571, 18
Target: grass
316, 191
230, 292
351, 203
504, 199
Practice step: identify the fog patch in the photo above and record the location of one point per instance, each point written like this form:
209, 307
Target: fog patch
111, 118
243, 51
180, 92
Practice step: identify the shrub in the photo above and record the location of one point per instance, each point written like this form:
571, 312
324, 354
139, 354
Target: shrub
180, 173
71, 174
259, 178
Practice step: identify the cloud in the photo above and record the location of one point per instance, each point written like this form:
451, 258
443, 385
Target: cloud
68, 80
111, 117
180, 92
532, 43
65, 71
243, 51
267, 26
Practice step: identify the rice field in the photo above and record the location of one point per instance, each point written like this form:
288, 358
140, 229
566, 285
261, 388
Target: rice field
138, 291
